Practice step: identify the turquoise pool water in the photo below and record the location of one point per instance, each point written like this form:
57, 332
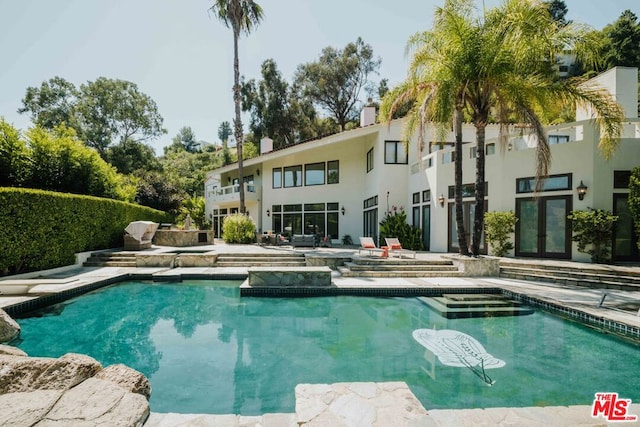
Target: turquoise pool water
206, 350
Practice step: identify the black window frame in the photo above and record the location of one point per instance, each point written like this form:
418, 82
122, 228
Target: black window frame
307, 167
531, 187
370, 160
395, 153
335, 180
284, 176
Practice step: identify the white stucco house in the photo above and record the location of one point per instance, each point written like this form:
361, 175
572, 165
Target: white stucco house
345, 183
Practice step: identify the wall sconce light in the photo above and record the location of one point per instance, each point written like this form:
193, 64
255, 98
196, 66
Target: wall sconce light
268, 212
582, 190
229, 179
510, 146
342, 210
258, 172
441, 200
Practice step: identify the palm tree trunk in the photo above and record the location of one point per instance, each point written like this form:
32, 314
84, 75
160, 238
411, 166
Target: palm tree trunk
237, 122
478, 220
463, 243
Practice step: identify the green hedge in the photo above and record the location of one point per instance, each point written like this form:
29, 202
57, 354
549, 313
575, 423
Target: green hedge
42, 229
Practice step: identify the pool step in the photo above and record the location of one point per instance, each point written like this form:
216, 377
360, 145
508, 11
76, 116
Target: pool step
111, 259
368, 267
595, 276
464, 306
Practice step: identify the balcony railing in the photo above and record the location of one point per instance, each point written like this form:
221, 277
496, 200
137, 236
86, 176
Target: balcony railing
231, 193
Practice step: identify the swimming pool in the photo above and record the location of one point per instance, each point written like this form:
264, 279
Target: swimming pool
207, 350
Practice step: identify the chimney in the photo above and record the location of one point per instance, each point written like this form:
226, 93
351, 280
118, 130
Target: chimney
266, 145
368, 114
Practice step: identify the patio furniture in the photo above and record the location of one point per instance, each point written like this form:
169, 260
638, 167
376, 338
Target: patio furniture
306, 240
139, 235
367, 244
395, 247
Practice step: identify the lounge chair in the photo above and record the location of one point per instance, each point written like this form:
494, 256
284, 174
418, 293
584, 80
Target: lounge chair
395, 247
367, 244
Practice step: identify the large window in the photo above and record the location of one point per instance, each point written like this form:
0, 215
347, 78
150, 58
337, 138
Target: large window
293, 176
369, 160
310, 218
551, 183
394, 153
314, 174
333, 172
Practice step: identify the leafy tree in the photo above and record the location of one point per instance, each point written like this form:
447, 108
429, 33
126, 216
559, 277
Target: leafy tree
14, 158
334, 81
111, 111
185, 140
276, 109
622, 46
129, 156
102, 113
52, 104
594, 228
187, 171
194, 206
496, 68
240, 16
499, 226
224, 132
558, 11
156, 191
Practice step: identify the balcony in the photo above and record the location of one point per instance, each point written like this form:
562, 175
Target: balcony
231, 194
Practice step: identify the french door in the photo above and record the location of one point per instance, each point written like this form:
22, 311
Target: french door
625, 240
543, 229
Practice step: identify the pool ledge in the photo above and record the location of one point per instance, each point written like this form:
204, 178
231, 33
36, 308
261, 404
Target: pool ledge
385, 404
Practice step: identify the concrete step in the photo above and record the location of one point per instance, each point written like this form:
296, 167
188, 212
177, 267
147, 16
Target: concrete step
395, 267
396, 261
109, 264
398, 273
260, 264
261, 255
586, 275
571, 281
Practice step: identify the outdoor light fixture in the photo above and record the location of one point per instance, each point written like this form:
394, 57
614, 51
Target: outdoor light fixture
582, 190
258, 172
342, 210
229, 179
268, 212
441, 200
510, 146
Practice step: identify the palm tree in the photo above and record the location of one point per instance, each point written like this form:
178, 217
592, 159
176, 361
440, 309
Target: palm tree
501, 68
240, 16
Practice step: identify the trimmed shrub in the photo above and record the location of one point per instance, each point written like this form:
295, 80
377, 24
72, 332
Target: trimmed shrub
594, 227
42, 229
238, 228
498, 227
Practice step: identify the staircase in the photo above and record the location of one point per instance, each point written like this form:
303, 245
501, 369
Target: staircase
261, 260
386, 267
463, 306
111, 259
594, 276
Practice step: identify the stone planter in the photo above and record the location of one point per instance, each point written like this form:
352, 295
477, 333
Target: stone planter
475, 267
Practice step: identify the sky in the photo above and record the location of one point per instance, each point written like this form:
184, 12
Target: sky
182, 56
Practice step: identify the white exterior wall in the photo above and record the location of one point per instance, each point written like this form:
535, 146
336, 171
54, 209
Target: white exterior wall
578, 157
